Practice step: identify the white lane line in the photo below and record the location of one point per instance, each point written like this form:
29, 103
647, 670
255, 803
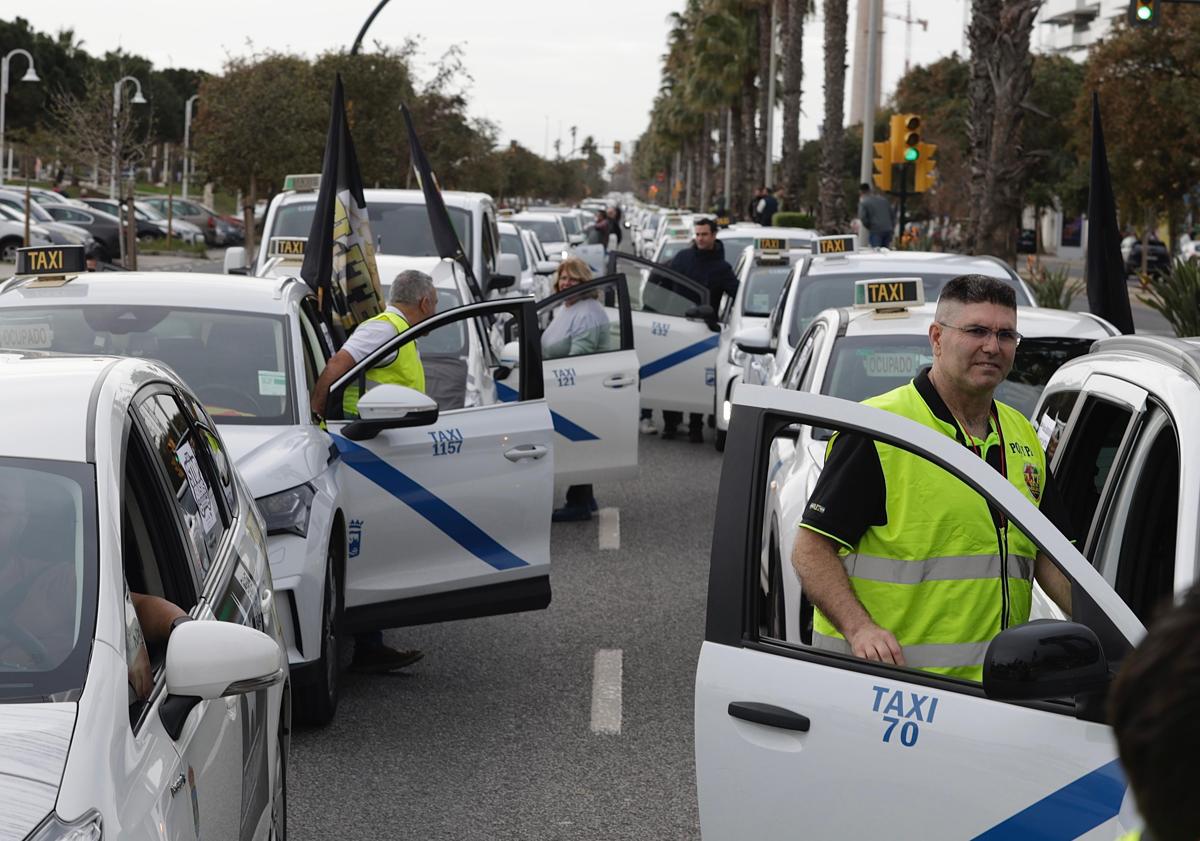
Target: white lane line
610, 528
606, 692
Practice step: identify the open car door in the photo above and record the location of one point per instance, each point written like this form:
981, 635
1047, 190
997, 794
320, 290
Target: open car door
784, 730
590, 371
448, 512
677, 354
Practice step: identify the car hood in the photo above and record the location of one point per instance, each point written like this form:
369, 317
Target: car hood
274, 458
33, 753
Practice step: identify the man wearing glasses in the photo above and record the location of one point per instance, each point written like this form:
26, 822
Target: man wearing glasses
904, 564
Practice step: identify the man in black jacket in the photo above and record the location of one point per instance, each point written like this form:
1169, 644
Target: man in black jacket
704, 263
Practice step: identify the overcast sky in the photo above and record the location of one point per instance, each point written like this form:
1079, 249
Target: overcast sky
539, 66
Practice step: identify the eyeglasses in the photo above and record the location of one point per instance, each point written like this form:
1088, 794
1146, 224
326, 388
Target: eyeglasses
1004, 338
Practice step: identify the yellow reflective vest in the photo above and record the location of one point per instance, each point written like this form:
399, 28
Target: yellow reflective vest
405, 369
941, 574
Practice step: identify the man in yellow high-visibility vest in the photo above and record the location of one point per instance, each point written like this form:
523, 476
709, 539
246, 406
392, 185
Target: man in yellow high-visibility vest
411, 300
903, 562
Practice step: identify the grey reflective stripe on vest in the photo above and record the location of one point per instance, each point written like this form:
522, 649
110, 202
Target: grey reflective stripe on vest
951, 568
926, 656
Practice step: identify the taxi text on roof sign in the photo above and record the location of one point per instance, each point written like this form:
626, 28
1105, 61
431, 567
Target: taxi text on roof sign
770, 244
889, 293
834, 245
302, 183
51, 260
286, 246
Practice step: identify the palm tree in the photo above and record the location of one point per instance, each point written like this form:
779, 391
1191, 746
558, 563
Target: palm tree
793, 76
831, 214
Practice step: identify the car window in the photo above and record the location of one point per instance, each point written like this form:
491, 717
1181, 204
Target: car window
511, 244
669, 249
189, 474
762, 289
314, 352
1087, 459
547, 230
397, 228
798, 366
578, 325
1052, 419
236, 363
218, 456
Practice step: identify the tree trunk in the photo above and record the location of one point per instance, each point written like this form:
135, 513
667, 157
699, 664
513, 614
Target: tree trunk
704, 159
985, 16
1010, 69
248, 216
723, 156
765, 37
737, 184
832, 201
748, 148
793, 75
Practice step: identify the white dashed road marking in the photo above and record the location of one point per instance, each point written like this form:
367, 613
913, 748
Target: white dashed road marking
606, 692
610, 528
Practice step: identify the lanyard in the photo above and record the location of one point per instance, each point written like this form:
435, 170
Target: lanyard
969, 442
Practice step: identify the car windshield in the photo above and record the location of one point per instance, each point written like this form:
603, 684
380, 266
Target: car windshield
149, 211
400, 229
546, 230
865, 366
511, 244
36, 212
670, 249
734, 246
236, 363
821, 292
763, 288
47, 577
570, 222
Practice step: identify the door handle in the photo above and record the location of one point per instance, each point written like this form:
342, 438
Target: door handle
768, 714
619, 381
526, 451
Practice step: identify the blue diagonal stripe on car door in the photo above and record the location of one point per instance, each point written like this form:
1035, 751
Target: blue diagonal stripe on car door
1076, 808
564, 427
423, 501
675, 358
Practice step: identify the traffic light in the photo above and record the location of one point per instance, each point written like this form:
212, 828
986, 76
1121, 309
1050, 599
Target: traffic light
923, 178
883, 166
911, 149
616, 147
1143, 13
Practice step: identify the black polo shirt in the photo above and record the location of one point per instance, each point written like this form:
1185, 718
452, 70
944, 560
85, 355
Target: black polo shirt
850, 494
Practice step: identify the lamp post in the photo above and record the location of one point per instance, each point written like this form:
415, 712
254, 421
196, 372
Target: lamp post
30, 76
136, 99
187, 141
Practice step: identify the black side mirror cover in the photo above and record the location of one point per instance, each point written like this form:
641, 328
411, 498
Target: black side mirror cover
1045, 659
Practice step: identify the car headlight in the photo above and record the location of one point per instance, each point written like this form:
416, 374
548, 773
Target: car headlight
54, 828
737, 356
287, 511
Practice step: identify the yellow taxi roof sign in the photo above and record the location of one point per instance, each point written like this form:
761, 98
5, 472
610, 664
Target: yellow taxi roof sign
53, 264
889, 293
286, 247
302, 183
770, 245
842, 244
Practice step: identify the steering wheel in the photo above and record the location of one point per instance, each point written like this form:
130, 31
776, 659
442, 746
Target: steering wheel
215, 392
26, 641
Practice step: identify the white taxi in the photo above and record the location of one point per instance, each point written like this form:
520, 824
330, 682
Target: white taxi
762, 269
339, 503
858, 352
115, 722
827, 280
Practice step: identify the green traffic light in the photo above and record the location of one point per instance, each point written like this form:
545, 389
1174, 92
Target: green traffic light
911, 154
1145, 13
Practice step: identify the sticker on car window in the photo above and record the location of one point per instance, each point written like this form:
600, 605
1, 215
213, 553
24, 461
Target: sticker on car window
200, 490
893, 364
27, 336
272, 383
1046, 429
760, 301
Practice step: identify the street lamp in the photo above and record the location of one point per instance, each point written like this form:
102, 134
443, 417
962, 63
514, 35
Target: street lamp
30, 76
136, 99
187, 140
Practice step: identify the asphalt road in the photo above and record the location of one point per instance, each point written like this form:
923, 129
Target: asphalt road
491, 735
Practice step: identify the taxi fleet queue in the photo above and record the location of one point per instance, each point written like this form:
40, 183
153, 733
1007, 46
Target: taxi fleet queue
948, 603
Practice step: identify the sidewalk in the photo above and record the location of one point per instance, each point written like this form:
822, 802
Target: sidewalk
1145, 319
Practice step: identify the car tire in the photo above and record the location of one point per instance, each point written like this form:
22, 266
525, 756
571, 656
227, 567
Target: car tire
719, 440
8, 249
316, 702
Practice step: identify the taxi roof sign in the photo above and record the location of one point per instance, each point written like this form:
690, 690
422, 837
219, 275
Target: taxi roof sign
302, 183
843, 244
287, 247
890, 293
772, 250
51, 262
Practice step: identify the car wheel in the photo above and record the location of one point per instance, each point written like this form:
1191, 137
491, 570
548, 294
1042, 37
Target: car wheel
719, 441
8, 249
317, 701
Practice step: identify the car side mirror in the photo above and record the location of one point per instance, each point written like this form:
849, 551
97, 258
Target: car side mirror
510, 360
545, 267
755, 340
208, 659
235, 260
390, 406
507, 265
575, 239
501, 281
1044, 659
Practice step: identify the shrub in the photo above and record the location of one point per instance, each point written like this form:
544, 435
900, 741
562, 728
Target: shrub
1176, 295
1054, 288
792, 219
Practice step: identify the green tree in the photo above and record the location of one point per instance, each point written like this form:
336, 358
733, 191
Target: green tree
831, 214
792, 87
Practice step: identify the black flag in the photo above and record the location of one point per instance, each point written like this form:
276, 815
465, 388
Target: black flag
1108, 296
444, 236
339, 260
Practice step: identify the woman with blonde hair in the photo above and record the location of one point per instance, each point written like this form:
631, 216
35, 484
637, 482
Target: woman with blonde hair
579, 326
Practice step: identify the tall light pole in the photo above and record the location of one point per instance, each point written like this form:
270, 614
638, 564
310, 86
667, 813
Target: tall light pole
187, 140
30, 76
136, 99
871, 100
769, 112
